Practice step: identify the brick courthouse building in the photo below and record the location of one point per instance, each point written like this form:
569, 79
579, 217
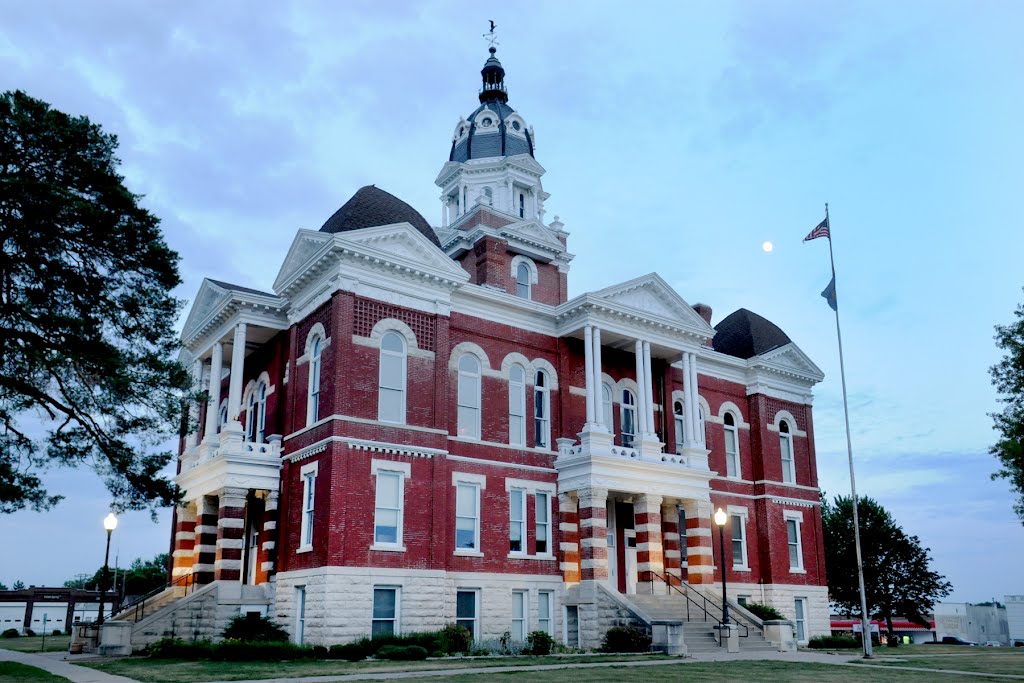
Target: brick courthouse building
419, 426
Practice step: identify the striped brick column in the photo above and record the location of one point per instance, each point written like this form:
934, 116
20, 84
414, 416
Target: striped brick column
269, 564
569, 529
230, 533
593, 514
205, 548
673, 548
699, 544
650, 556
183, 556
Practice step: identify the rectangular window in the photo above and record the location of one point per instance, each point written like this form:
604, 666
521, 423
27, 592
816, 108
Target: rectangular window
786, 444
732, 465
469, 405
572, 626
387, 527
517, 520
466, 611
519, 616
800, 607
543, 514
517, 407
391, 401
545, 608
739, 541
385, 611
541, 422
467, 517
796, 554
300, 615
308, 474
742, 599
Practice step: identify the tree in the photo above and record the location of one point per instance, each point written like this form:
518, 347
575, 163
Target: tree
3, 586
18, 585
140, 578
86, 318
1008, 378
898, 579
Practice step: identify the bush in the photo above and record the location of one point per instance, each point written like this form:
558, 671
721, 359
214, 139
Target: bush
539, 643
833, 643
455, 640
57, 632
401, 653
254, 628
626, 639
353, 652
319, 652
10, 633
30, 633
176, 648
237, 651
764, 612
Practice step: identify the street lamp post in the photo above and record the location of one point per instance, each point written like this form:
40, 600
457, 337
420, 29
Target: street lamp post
720, 520
109, 523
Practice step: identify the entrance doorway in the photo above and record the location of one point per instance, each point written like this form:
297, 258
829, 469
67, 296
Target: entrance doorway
629, 573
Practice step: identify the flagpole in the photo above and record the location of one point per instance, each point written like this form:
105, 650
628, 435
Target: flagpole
865, 621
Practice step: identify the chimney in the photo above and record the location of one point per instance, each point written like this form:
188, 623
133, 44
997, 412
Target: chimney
704, 311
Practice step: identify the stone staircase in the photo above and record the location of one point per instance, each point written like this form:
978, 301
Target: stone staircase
698, 626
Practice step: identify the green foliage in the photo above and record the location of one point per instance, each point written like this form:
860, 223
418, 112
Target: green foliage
539, 643
402, 653
87, 322
18, 585
455, 639
10, 633
898, 579
833, 643
626, 639
3, 586
30, 633
353, 652
254, 628
140, 578
231, 651
1008, 379
763, 612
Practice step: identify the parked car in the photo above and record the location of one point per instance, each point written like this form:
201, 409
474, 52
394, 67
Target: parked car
992, 643
956, 640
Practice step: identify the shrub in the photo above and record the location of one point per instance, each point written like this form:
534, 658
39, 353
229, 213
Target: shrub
764, 612
353, 652
10, 633
237, 651
455, 639
401, 653
30, 633
833, 643
254, 628
319, 652
539, 643
626, 639
57, 632
176, 648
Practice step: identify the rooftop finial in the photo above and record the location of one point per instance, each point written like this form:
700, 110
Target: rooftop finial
492, 38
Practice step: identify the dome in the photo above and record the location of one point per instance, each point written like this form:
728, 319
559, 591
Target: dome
745, 334
372, 206
494, 129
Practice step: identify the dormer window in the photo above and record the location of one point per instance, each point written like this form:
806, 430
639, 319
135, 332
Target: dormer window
515, 125
486, 122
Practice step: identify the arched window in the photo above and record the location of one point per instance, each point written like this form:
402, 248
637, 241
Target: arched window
732, 447
489, 195
469, 396
702, 429
223, 415
517, 406
522, 205
606, 406
523, 281
391, 397
313, 404
628, 417
677, 411
541, 411
786, 446
256, 415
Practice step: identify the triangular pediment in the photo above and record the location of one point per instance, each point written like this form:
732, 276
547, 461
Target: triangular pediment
306, 245
790, 358
533, 231
210, 298
651, 295
403, 244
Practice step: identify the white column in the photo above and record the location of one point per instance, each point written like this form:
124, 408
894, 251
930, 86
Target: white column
698, 436
641, 391
588, 355
197, 385
598, 390
444, 211
213, 404
687, 403
649, 386
237, 370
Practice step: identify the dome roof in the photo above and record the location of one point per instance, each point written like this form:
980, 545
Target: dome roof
372, 206
745, 334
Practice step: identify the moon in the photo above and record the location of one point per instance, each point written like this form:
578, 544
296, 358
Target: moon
767, 246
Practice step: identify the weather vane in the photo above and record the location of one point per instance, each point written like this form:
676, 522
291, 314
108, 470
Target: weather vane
491, 37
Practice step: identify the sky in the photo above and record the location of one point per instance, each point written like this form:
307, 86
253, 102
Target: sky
677, 138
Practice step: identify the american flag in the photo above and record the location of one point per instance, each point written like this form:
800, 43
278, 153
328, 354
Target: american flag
821, 230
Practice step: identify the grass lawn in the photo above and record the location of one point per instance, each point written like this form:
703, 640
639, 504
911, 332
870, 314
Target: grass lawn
182, 671
989, 661
33, 643
905, 650
12, 672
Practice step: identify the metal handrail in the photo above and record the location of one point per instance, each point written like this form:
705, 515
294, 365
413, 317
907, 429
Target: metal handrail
139, 604
703, 605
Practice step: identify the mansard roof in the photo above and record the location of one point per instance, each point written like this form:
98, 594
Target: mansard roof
745, 334
372, 206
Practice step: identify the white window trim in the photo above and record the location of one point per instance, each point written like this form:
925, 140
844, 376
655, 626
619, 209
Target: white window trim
479, 481
479, 376
741, 512
545, 397
404, 471
549, 553
533, 487
735, 429
548, 597
398, 607
519, 439
623, 409
300, 614
803, 601
798, 517
523, 539
307, 475
476, 610
526, 612
404, 356
315, 369
791, 467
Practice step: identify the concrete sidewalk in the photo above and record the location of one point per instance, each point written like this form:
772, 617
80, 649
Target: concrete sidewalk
56, 665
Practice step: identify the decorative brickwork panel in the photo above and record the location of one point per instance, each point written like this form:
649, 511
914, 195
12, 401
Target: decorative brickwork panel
368, 312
